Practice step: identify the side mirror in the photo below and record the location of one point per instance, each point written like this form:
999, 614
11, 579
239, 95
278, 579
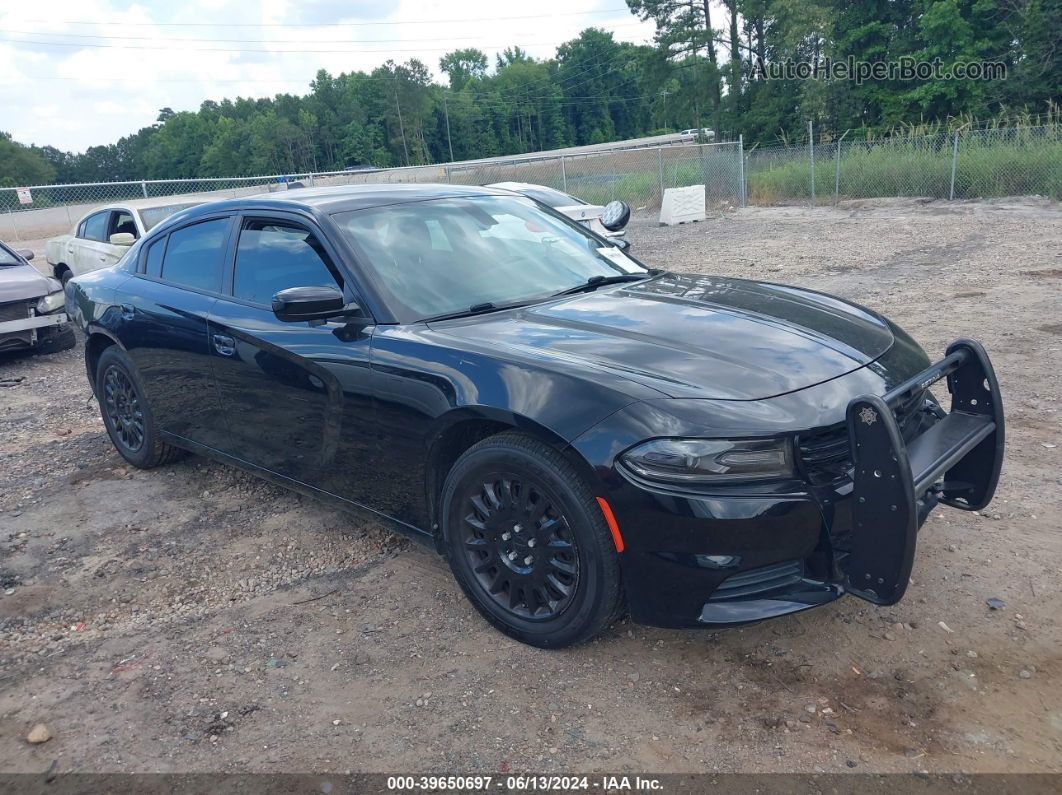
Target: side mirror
25, 253
621, 243
308, 303
122, 239
615, 215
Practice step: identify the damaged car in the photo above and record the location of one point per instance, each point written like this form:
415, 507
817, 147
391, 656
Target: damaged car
32, 307
579, 434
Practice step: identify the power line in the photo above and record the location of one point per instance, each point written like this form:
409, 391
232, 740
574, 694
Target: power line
126, 23
256, 41
83, 45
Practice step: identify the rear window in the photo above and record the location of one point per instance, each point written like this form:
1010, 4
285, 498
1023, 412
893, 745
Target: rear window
552, 198
194, 255
153, 216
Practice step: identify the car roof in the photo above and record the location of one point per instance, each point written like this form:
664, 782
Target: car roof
345, 198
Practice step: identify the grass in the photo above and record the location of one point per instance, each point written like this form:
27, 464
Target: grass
990, 163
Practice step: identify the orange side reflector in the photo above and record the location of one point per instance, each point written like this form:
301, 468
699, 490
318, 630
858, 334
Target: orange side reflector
610, 520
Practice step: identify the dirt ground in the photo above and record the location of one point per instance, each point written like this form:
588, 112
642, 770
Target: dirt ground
193, 618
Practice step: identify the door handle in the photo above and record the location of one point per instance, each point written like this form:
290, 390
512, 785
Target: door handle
224, 344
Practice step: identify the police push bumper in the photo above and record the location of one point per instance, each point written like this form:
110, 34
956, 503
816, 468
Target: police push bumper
955, 462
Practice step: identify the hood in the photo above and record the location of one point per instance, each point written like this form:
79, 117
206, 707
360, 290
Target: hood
696, 336
21, 282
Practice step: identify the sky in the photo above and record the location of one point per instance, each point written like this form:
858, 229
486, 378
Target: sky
76, 73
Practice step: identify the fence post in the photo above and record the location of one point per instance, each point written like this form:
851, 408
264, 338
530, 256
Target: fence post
837, 172
660, 168
741, 169
564, 175
14, 227
811, 157
310, 177
143, 187
954, 159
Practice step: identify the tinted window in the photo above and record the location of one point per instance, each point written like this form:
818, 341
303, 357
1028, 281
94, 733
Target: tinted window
96, 226
154, 258
271, 257
194, 255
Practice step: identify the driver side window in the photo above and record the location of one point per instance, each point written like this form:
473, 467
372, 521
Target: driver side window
274, 255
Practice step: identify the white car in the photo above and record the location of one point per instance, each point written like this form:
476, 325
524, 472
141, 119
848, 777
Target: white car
103, 235
709, 135
593, 216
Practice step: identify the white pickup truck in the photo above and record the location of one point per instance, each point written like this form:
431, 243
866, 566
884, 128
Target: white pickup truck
103, 235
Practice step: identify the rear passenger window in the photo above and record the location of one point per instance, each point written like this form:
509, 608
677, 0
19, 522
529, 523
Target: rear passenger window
194, 255
273, 256
153, 259
96, 226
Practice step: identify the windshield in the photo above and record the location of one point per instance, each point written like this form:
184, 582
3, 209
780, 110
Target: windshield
8, 258
447, 255
153, 216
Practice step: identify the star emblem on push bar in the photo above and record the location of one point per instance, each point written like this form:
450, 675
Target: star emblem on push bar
868, 415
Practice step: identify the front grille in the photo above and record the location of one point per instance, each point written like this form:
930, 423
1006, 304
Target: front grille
15, 310
825, 456
758, 581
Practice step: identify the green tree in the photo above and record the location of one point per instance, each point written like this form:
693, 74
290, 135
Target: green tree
20, 165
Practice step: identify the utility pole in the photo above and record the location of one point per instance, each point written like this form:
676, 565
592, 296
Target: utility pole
449, 143
401, 126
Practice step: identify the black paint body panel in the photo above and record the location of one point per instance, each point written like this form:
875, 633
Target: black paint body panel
355, 411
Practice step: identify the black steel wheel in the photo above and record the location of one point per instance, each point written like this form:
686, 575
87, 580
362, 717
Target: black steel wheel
122, 404
527, 542
127, 413
519, 545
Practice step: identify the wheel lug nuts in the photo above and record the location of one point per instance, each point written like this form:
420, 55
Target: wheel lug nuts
517, 528
512, 556
528, 560
530, 542
506, 536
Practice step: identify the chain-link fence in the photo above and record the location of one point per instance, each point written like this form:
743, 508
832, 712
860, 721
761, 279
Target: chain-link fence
637, 174
968, 164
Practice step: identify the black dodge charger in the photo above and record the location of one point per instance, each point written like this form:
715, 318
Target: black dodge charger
577, 433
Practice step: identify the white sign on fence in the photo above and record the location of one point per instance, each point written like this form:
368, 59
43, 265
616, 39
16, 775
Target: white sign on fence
24, 196
682, 205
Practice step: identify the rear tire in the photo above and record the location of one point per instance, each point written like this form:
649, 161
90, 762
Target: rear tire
526, 540
127, 414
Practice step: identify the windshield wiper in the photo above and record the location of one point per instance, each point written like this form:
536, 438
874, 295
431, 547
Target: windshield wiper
601, 281
476, 309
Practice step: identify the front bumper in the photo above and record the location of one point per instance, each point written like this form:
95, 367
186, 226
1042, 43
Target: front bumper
25, 332
731, 559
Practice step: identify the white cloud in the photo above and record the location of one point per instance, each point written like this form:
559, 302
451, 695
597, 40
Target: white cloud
104, 92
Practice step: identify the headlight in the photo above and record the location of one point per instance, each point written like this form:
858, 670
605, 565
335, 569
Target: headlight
711, 460
51, 302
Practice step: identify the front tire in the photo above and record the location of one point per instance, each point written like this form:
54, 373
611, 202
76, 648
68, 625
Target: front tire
127, 414
528, 544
